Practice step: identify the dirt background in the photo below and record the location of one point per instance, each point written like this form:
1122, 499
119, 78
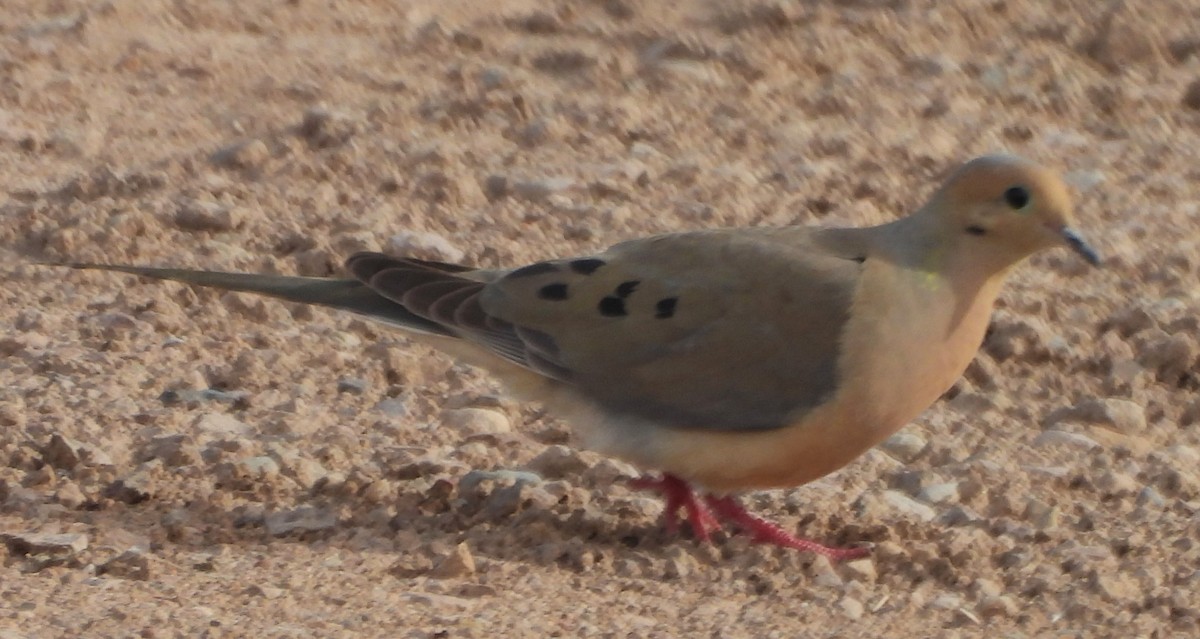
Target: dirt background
178, 462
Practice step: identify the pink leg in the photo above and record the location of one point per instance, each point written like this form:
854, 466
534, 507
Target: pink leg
727, 508
678, 494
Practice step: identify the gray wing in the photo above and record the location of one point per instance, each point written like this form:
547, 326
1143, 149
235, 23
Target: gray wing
728, 330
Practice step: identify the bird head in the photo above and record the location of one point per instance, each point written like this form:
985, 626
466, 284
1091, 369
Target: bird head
1010, 208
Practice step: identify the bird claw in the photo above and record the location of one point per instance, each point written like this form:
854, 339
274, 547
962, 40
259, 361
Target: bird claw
767, 532
706, 513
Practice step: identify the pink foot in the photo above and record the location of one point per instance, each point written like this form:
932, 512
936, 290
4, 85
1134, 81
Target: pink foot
727, 508
705, 514
678, 494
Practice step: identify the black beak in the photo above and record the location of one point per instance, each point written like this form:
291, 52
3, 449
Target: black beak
1076, 243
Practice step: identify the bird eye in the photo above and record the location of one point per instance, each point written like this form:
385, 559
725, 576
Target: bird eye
1017, 197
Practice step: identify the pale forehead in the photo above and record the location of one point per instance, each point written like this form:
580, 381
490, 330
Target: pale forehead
988, 177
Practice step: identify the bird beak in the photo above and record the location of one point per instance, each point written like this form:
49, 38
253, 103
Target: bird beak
1076, 243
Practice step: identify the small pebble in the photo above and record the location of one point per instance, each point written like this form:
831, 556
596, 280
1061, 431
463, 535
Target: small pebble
475, 421
946, 601
394, 407
1117, 483
174, 450
459, 564
136, 487
861, 570
69, 495
851, 607
905, 446
495, 187
823, 573
299, 520
943, 493
1149, 496
997, 606
1121, 414
1063, 438
196, 215
219, 424
539, 190
246, 154
557, 462
906, 505
426, 246
131, 564
352, 385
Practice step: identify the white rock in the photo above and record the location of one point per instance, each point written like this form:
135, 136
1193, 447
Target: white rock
946, 601
476, 421
1124, 415
851, 607
471, 480
1120, 414
907, 505
861, 570
220, 424
257, 467
904, 446
1063, 438
822, 572
942, 493
302, 519
428, 246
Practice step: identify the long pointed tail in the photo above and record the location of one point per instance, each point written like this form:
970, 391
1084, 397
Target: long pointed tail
343, 294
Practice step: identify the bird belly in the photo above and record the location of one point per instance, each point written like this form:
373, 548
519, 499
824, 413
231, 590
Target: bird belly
888, 377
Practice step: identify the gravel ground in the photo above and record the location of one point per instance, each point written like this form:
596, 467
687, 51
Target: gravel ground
178, 462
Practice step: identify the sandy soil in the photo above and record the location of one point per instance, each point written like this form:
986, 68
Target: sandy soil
177, 462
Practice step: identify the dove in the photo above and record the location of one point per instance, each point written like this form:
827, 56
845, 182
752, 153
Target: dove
725, 360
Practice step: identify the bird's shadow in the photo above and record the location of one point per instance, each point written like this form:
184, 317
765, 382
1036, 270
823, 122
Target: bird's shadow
421, 526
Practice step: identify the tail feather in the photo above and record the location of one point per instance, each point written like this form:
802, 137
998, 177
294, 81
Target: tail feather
342, 294
433, 298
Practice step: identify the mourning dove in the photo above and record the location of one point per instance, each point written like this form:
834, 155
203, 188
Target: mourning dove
728, 359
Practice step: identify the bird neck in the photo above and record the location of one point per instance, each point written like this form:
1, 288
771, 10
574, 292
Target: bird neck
925, 242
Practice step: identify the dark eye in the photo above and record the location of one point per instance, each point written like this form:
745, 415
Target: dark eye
1017, 197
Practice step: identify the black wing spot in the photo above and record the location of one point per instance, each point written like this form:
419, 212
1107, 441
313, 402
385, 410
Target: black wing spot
665, 308
613, 307
556, 292
537, 268
860, 259
587, 265
625, 289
